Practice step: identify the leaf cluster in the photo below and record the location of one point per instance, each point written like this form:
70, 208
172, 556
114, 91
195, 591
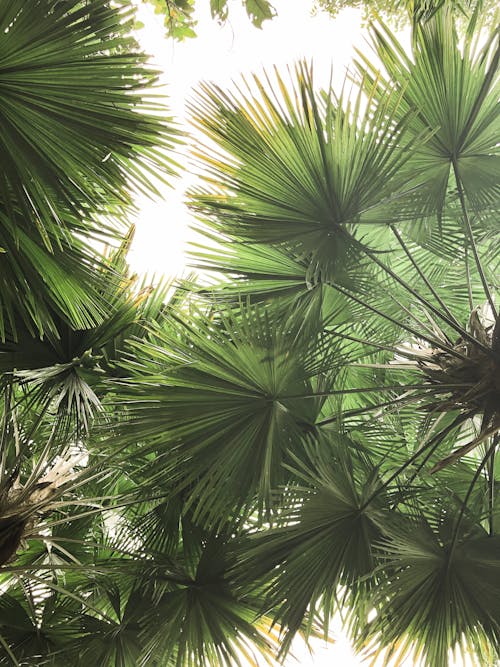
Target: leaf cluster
180, 22
195, 473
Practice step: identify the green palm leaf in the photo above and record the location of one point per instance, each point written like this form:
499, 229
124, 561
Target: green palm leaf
455, 90
439, 596
324, 542
328, 163
72, 88
218, 397
79, 132
208, 621
316, 430
66, 370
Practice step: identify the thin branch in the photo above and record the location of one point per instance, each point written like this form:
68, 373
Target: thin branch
425, 327
431, 451
388, 367
432, 442
391, 387
110, 508
60, 589
28, 594
4, 432
390, 405
396, 402
37, 470
379, 346
87, 543
491, 487
465, 449
467, 275
9, 652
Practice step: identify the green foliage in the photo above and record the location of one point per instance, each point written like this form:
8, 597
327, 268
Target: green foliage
401, 12
190, 474
179, 18
80, 131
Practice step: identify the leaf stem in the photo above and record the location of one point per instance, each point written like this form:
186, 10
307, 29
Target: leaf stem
491, 487
379, 346
433, 441
3, 434
378, 388
470, 234
467, 274
423, 276
489, 453
396, 402
418, 334
451, 322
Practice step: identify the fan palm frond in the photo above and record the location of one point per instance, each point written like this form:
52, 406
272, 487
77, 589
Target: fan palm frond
79, 131
455, 89
222, 391
325, 540
439, 597
328, 163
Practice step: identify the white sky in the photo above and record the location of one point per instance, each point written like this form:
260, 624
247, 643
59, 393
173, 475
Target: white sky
220, 54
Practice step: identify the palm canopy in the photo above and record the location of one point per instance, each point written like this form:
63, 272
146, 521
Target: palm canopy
314, 432
372, 220
80, 130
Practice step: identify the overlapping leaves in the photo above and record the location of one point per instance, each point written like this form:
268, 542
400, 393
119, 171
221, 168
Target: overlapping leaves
63, 371
79, 131
317, 443
329, 164
442, 594
454, 87
324, 540
407, 244
219, 398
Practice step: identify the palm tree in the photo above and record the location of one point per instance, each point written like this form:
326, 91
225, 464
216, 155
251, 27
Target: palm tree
183, 468
79, 131
335, 399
